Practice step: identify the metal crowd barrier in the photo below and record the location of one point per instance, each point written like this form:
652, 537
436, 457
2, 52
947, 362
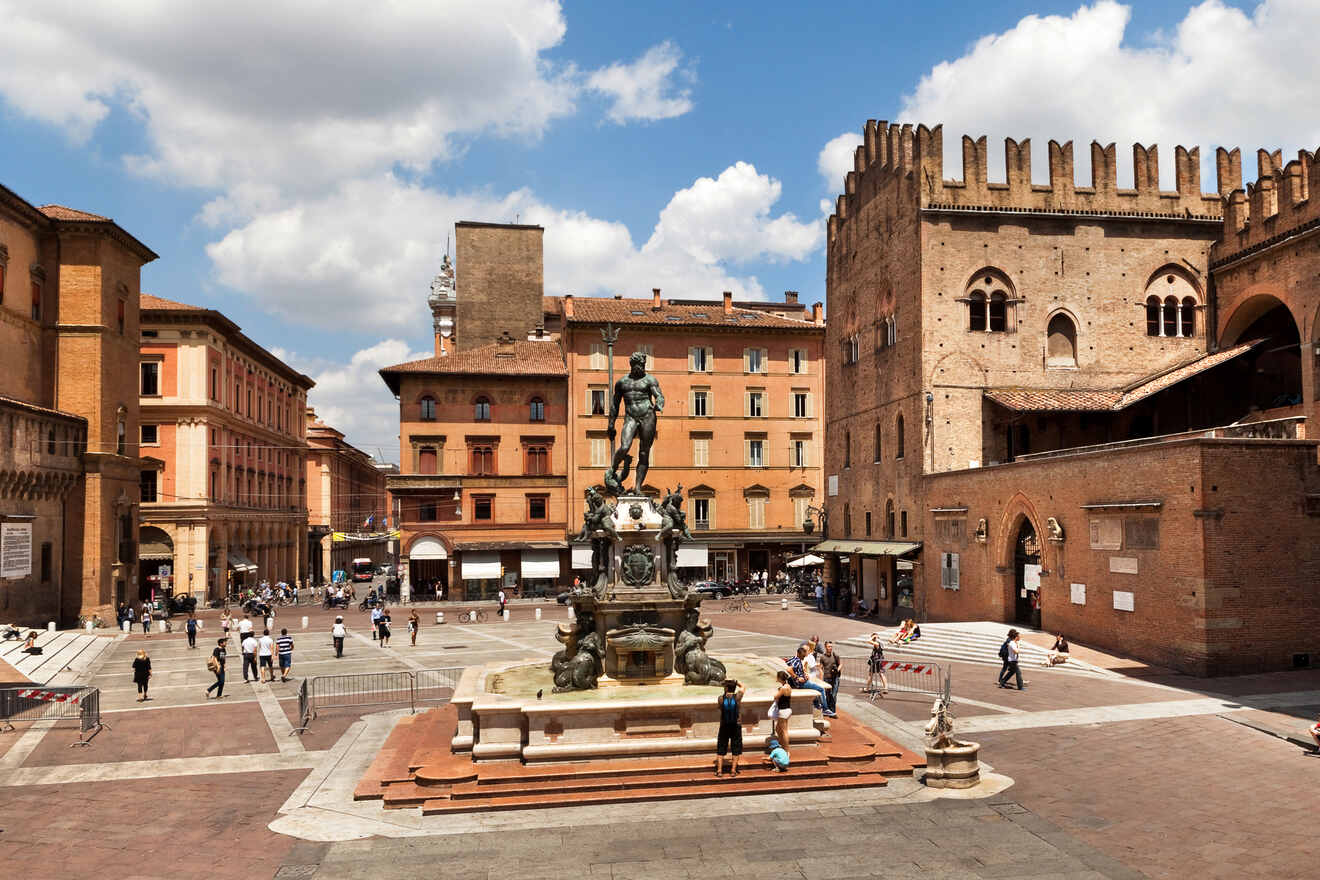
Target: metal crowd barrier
905, 676
53, 704
318, 693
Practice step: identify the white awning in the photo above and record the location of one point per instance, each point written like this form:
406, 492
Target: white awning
239, 562
691, 556
480, 565
427, 548
582, 556
805, 561
540, 563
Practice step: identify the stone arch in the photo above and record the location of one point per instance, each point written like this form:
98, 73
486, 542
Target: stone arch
1247, 312
430, 545
1018, 510
1061, 343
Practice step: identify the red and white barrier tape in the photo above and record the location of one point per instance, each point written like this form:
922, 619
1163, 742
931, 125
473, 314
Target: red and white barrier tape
49, 696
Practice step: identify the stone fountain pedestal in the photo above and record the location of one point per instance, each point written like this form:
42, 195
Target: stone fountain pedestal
957, 765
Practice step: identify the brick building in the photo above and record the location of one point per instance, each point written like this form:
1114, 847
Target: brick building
347, 508
68, 411
1035, 372
226, 420
500, 439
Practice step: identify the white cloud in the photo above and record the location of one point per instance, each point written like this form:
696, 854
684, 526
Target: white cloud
239, 92
363, 256
836, 160
1220, 77
645, 89
352, 398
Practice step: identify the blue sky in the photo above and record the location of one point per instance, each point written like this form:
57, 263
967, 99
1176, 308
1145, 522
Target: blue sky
299, 165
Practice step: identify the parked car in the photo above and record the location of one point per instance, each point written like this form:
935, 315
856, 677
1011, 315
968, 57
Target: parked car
712, 589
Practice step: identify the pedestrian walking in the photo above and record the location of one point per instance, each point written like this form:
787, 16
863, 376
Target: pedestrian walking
285, 645
375, 622
337, 632
244, 628
1003, 656
1011, 661
192, 630
875, 665
504, 601
141, 674
383, 627
248, 647
820, 596
730, 734
831, 670
216, 663
146, 620
414, 624
265, 655
225, 622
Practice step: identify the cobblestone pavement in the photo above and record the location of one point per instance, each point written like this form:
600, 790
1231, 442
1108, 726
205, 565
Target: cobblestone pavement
1113, 777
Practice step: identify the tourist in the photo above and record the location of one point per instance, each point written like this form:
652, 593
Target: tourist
831, 670
900, 637
800, 679
875, 665
146, 620
730, 734
504, 601
1011, 661
375, 620
285, 645
1059, 653
225, 622
30, 645
820, 596
383, 625
414, 624
777, 755
782, 707
1314, 730
192, 630
248, 647
244, 628
216, 663
337, 632
141, 674
265, 655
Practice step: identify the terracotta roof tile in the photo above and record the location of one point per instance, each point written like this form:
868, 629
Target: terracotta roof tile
149, 301
60, 212
518, 358
638, 310
1113, 399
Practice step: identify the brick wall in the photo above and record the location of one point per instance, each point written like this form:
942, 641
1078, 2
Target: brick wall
499, 281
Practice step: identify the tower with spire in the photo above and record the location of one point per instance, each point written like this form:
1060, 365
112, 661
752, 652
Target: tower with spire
444, 307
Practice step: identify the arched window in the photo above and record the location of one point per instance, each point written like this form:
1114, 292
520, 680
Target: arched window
1152, 315
481, 409
1061, 342
998, 312
121, 434
976, 311
536, 410
1170, 316
1187, 318
987, 297
428, 408
898, 438
889, 519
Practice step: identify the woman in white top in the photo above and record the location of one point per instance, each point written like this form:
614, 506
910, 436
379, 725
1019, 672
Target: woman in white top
337, 632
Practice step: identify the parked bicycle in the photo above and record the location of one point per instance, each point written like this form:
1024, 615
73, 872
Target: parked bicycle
737, 603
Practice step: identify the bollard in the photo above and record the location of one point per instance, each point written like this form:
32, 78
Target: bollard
783, 604
123, 624
88, 626
538, 614
439, 617
572, 615
50, 626
506, 615
304, 621
162, 625
270, 623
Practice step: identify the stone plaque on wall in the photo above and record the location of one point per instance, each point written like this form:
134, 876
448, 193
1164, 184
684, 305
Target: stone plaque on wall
1079, 594
1123, 601
1141, 533
1123, 564
1106, 533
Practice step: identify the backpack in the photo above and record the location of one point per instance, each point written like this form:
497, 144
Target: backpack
1003, 651
213, 664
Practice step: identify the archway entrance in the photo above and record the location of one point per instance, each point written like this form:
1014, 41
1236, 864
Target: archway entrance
155, 563
428, 568
1269, 378
1026, 576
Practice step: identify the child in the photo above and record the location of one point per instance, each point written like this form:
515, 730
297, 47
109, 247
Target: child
778, 756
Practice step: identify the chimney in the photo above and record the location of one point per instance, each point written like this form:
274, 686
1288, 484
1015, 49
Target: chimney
817, 313
790, 297
568, 305
540, 331
728, 302
618, 296
655, 299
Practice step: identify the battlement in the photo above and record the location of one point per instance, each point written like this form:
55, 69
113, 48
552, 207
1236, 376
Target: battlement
891, 153
1276, 205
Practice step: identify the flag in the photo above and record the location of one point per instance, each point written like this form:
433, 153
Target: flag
367, 524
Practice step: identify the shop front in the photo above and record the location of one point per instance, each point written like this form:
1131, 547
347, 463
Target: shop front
876, 574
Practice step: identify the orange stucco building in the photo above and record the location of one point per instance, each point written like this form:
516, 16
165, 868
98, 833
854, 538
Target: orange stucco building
500, 439
68, 412
226, 419
347, 508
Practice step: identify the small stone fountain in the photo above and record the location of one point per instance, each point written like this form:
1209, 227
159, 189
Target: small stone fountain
949, 762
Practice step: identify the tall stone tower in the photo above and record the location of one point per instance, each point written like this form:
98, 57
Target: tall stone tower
500, 279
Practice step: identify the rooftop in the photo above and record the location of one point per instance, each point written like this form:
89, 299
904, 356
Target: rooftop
60, 212
512, 358
640, 310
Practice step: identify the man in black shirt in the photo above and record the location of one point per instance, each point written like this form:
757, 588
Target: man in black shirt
216, 664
